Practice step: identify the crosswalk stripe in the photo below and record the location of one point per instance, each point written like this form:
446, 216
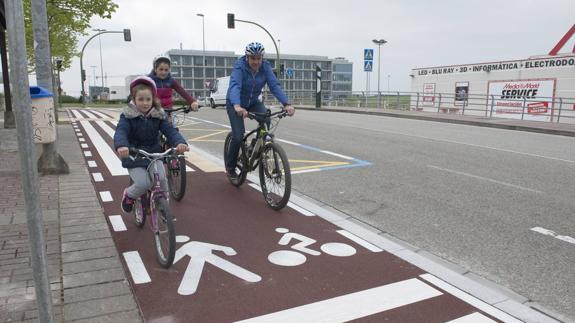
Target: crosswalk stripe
106, 153
345, 308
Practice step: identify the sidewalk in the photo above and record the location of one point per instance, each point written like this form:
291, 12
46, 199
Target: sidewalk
562, 129
87, 279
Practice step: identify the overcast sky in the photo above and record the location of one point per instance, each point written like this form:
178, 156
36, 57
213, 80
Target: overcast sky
419, 33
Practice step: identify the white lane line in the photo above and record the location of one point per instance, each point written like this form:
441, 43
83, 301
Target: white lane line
345, 308
87, 153
311, 170
553, 234
92, 163
485, 179
207, 121
300, 209
103, 116
98, 177
336, 155
136, 267
108, 156
106, 196
117, 223
81, 139
359, 241
470, 299
472, 318
84, 145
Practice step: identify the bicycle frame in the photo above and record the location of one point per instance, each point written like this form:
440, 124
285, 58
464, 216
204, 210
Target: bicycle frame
154, 193
263, 136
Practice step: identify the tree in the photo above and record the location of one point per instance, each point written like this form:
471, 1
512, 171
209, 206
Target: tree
67, 20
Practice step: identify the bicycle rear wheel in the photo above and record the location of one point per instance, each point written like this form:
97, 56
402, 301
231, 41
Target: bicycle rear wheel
241, 165
176, 167
275, 176
164, 236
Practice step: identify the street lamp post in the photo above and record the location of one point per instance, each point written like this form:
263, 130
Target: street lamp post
203, 54
127, 37
101, 65
379, 42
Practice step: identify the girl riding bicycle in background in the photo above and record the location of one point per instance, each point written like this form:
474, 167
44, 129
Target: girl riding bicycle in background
250, 74
165, 84
139, 127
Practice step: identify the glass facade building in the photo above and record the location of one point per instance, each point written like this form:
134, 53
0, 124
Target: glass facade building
297, 78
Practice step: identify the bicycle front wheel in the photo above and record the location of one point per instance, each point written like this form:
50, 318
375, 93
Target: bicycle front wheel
275, 176
164, 235
176, 166
241, 165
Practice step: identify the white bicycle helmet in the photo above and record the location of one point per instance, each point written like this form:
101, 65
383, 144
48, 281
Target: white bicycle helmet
161, 59
255, 48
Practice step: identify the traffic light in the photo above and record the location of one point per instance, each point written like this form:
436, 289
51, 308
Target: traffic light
231, 21
83, 75
58, 64
282, 69
127, 35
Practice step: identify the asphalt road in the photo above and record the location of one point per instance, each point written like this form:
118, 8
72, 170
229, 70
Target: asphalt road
479, 197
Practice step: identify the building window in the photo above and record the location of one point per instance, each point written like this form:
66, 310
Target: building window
220, 72
220, 61
298, 65
198, 84
209, 61
198, 72
175, 59
187, 60
198, 61
210, 72
230, 61
188, 72
347, 68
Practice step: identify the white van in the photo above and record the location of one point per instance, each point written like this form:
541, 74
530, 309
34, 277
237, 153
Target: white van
218, 91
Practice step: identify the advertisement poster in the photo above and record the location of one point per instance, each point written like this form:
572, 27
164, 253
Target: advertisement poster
526, 100
428, 94
461, 93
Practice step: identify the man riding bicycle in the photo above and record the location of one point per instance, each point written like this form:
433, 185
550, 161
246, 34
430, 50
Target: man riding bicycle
250, 74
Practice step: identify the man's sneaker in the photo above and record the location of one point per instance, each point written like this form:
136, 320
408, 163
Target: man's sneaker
127, 203
232, 173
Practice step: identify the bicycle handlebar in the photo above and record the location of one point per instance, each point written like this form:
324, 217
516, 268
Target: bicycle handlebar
255, 115
185, 109
150, 156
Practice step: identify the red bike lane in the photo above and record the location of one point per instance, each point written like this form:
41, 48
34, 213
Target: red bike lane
237, 259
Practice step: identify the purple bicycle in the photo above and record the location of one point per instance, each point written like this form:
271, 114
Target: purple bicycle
155, 204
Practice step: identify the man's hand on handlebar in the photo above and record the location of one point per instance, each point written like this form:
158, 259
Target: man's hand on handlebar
240, 111
289, 109
123, 152
181, 148
195, 106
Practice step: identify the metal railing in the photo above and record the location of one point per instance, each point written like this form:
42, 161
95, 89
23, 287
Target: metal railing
548, 109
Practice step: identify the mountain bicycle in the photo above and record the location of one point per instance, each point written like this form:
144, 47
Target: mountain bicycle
154, 203
176, 163
263, 151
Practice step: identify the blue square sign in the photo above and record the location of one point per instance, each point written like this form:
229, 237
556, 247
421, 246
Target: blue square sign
367, 66
368, 54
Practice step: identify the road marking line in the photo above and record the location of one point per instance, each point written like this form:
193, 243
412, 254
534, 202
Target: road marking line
337, 155
470, 299
106, 196
87, 153
208, 135
485, 179
305, 171
472, 318
300, 209
202, 163
84, 145
136, 267
359, 241
81, 139
92, 163
553, 234
345, 308
108, 156
98, 177
117, 223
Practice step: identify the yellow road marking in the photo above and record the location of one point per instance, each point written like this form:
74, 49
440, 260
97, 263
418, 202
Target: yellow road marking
206, 136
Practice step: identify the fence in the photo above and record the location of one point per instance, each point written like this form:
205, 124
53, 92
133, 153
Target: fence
493, 106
